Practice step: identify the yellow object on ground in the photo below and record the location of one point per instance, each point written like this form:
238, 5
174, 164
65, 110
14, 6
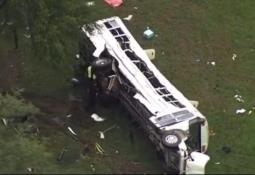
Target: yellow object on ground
150, 53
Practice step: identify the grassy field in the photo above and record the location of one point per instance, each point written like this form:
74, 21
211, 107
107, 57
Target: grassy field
189, 35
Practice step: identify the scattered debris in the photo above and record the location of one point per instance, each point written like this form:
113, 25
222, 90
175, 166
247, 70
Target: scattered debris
96, 118
239, 98
250, 111
150, 53
101, 133
61, 155
213, 63
194, 103
70, 129
27, 36
234, 57
92, 167
148, 33
75, 80
90, 3
30, 169
136, 8
5, 122
69, 115
99, 148
217, 163
240, 111
114, 3
116, 152
128, 18
212, 133
77, 56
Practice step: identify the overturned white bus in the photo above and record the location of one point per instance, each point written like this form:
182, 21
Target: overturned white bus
124, 71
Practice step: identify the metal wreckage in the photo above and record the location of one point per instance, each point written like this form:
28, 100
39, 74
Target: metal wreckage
119, 68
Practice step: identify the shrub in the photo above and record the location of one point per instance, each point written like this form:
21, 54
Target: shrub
13, 105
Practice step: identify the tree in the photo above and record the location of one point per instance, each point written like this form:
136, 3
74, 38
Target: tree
53, 26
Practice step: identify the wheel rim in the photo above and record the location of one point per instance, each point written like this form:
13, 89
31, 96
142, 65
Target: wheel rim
171, 139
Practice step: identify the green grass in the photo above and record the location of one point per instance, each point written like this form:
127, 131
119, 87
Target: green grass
187, 31
208, 31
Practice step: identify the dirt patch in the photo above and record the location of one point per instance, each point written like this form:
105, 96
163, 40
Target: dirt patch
48, 105
11, 62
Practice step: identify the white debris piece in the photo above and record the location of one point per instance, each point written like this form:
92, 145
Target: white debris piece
30, 169
90, 3
5, 121
70, 129
136, 8
96, 118
148, 33
75, 80
128, 18
92, 167
77, 56
217, 163
240, 111
27, 36
239, 98
234, 57
101, 133
69, 115
213, 63
250, 111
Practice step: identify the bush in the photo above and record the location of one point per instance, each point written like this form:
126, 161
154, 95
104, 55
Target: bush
13, 105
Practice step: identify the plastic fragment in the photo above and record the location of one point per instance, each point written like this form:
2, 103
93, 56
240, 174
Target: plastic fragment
234, 57
90, 3
148, 33
96, 118
240, 111
69, 115
128, 18
70, 129
99, 149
